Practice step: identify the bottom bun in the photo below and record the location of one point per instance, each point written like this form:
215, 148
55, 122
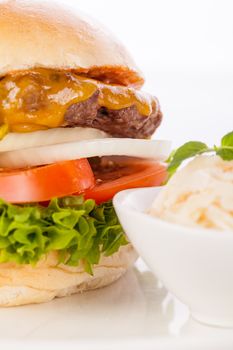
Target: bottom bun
24, 284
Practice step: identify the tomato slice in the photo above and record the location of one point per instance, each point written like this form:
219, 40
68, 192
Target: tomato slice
43, 183
128, 173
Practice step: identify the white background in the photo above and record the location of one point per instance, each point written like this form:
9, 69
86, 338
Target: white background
185, 49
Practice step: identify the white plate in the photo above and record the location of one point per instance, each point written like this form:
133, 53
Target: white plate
134, 313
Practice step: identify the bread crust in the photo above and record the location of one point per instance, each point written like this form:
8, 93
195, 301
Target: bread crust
42, 34
24, 284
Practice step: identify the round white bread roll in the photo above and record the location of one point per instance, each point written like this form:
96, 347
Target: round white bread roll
24, 284
46, 34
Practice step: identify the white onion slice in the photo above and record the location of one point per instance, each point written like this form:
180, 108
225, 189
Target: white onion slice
152, 149
15, 141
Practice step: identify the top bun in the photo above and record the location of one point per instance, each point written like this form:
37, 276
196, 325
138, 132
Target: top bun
43, 34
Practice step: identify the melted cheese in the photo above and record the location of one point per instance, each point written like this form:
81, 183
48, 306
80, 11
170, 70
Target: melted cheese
38, 99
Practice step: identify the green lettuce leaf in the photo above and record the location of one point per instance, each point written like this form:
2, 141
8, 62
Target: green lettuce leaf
78, 230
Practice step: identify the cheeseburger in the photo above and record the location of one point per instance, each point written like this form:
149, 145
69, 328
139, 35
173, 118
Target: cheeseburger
75, 129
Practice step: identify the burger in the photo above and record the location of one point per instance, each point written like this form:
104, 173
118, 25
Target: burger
75, 129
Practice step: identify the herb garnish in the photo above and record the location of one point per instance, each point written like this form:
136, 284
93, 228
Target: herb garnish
193, 148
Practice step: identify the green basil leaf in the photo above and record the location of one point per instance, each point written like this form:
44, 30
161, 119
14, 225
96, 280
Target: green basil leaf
188, 150
225, 153
227, 140
226, 149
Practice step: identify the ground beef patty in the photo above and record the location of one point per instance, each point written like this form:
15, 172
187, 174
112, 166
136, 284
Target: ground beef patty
125, 122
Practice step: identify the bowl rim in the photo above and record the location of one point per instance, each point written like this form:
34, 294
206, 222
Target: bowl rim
120, 197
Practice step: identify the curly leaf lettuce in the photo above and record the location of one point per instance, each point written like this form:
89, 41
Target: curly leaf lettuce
79, 230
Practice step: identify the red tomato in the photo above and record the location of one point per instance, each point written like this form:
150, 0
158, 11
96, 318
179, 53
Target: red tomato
43, 183
130, 173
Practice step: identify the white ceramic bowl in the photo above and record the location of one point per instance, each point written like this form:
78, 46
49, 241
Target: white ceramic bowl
196, 265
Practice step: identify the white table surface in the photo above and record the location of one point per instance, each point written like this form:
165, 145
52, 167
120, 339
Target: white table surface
136, 312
